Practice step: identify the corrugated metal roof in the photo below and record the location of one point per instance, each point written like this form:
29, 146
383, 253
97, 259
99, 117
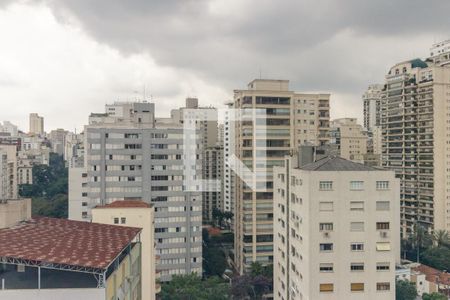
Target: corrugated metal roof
62, 241
336, 163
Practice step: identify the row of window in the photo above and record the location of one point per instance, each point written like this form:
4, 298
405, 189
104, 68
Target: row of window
354, 287
329, 267
380, 246
354, 226
354, 185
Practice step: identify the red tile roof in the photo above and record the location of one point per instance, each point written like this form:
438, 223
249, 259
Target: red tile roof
433, 275
126, 204
67, 242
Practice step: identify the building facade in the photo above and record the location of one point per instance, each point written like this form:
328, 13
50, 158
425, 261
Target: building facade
36, 124
371, 106
212, 169
292, 119
140, 215
350, 138
336, 231
416, 137
137, 158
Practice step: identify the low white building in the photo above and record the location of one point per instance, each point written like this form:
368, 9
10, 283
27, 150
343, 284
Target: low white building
336, 231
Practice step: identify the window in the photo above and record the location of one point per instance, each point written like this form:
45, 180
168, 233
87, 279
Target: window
357, 226
326, 287
383, 266
357, 287
326, 267
382, 225
84, 204
326, 206
116, 220
123, 220
357, 247
326, 185
382, 185
383, 247
356, 185
326, 247
326, 226
357, 267
84, 194
382, 205
357, 205
383, 286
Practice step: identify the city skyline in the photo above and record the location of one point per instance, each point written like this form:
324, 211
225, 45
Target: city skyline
88, 65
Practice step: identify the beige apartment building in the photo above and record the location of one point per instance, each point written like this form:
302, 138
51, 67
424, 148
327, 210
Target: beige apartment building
292, 119
350, 137
336, 231
8, 171
36, 124
141, 215
416, 137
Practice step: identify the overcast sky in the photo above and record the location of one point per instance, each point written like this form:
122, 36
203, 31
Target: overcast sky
66, 58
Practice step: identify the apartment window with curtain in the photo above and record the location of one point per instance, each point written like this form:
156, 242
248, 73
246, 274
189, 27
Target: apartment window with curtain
357, 287
383, 286
326, 287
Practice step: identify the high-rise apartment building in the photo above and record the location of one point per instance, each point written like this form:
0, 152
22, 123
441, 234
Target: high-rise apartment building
36, 124
416, 137
371, 104
129, 155
350, 138
336, 230
292, 119
9, 153
212, 170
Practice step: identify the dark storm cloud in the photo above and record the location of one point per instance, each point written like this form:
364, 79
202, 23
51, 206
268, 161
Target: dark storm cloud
289, 39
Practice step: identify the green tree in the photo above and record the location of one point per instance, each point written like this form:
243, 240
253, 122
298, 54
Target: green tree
420, 240
434, 296
405, 290
49, 189
437, 257
214, 261
192, 287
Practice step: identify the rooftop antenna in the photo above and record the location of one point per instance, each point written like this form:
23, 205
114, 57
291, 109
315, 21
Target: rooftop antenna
260, 75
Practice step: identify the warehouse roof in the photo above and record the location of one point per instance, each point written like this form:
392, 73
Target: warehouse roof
44, 241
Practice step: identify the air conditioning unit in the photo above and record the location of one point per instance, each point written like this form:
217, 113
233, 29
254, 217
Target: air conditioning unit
383, 234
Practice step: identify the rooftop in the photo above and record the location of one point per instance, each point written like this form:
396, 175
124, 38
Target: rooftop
336, 163
45, 240
126, 204
433, 275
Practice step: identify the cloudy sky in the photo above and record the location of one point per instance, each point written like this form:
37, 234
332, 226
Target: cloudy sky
66, 58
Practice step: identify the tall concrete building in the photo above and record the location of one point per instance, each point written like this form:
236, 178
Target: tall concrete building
350, 138
336, 231
292, 119
36, 124
129, 155
57, 139
9, 157
416, 138
212, 169
371, 104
